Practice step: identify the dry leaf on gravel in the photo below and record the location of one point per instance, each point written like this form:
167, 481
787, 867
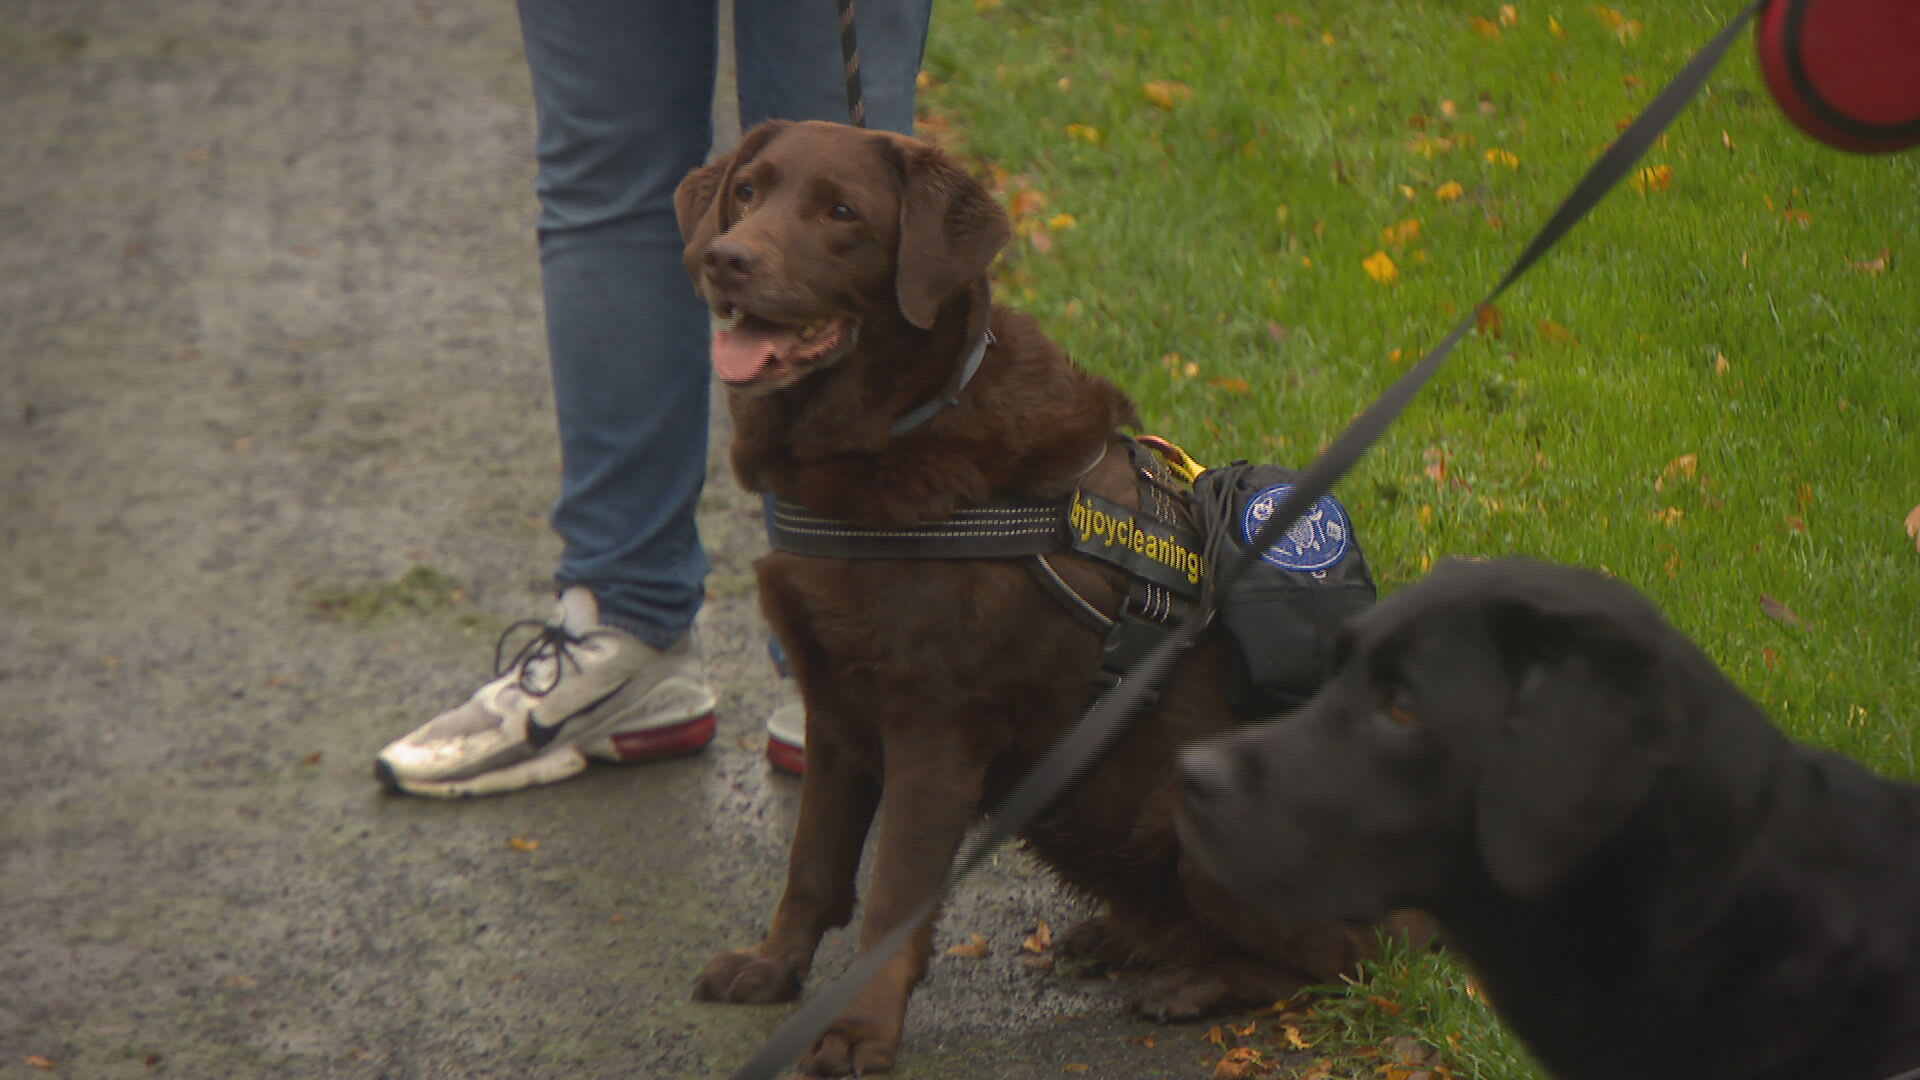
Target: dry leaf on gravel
1040, 940
1240, 1062
975, 946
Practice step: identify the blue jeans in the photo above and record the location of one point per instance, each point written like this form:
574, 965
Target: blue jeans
623, 91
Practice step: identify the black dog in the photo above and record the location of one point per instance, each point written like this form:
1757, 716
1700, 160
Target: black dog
1650, 879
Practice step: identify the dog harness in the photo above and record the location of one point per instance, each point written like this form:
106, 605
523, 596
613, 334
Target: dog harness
1279, 616
1163, 556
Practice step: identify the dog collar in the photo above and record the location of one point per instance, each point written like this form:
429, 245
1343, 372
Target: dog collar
941, 402
951, 397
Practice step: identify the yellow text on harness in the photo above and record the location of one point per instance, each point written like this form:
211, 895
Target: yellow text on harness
1141, 545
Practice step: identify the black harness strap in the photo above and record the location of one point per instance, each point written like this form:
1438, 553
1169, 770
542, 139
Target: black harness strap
995, 531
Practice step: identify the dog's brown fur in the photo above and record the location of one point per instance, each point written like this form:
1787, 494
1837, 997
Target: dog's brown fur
931, 686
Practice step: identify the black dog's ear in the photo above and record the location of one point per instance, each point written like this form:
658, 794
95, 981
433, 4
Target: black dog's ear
703, 201
950, 230
1585, 731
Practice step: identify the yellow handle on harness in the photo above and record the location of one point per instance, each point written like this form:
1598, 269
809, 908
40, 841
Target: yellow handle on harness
1178, 460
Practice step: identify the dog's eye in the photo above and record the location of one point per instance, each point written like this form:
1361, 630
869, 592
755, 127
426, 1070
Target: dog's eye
743, 192
1400, 708
842, 212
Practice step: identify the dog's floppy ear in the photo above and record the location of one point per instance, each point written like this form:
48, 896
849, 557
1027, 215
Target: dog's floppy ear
950, 230
1586, 729
703, 201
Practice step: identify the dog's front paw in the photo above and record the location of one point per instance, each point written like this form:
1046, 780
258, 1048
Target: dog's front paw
1172, 997
1093, 947
854, 1046
744, 977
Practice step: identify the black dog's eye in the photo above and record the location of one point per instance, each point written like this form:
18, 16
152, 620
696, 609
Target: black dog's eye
842, 212
1400, 708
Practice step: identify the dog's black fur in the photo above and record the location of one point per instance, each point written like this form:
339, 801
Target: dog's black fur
1651, 881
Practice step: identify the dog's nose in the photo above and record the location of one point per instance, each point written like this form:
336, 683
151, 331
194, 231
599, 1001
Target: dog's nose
1206, 776
728, 261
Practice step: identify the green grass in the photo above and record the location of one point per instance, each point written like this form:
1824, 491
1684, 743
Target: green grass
1739, 315
422, 590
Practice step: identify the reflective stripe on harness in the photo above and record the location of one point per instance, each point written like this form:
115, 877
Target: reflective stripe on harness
997, 531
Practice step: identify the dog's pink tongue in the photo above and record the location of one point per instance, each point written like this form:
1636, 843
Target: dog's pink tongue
741, 355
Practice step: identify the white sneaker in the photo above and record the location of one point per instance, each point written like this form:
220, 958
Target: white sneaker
787, 738
576, 690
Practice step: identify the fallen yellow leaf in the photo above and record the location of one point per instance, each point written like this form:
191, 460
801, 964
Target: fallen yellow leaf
1075, 1067
1402, 233
1554, 27
1240, 1062
1449, 191
1651, 178
1874, 266
1061, 221
1484, 26
1085, 133
1509, 15
973, 947
1026, 202
523, 842
1379, 267
1556, 333
1167, 93
39, 1061
1040, 940
1498, 156
1913, 527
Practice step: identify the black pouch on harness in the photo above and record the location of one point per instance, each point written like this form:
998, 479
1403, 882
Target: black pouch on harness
1282, 613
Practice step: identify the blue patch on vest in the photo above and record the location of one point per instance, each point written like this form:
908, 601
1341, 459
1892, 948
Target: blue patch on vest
1321, 538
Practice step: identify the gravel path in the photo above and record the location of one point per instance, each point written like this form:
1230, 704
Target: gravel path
276, 449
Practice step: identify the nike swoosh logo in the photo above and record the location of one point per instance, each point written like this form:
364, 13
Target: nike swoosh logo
539, 735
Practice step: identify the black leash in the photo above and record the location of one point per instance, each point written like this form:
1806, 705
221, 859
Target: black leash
1107, 718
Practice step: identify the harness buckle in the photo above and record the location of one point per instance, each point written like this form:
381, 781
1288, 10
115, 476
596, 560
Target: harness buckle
1131, 637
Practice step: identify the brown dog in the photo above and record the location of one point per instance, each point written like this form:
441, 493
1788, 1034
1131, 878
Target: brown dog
846, 271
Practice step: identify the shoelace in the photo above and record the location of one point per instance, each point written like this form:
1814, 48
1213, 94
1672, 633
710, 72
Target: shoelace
552, 641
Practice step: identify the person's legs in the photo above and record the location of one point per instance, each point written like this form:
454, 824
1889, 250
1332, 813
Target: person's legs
624, 94
791, 69
624, 91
